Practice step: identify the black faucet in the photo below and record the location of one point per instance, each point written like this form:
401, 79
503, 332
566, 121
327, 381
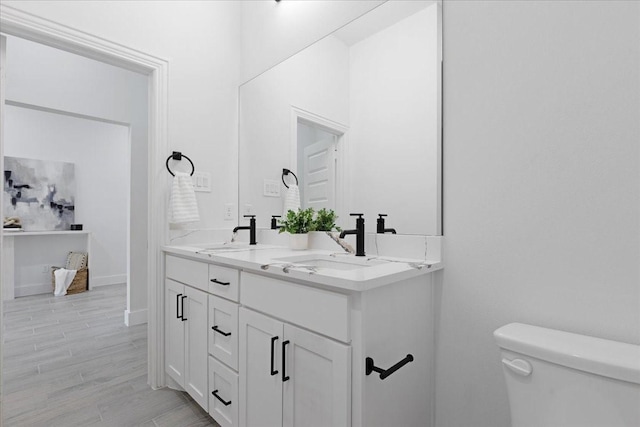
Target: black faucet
274, 222
359, 232
381, 229
251, 227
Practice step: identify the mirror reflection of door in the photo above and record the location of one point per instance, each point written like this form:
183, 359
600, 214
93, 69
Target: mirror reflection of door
317, 159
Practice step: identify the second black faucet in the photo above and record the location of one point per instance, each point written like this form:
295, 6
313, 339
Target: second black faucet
359, 232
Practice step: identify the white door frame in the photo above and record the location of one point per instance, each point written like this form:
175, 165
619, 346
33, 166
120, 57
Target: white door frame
21, 24
3, 45
343, 181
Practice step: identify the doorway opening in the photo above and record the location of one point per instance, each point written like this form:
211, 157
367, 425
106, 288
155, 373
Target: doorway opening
151, 232
92, 116
320, 152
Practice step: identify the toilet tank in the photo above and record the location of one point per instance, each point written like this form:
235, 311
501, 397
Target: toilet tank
561, 379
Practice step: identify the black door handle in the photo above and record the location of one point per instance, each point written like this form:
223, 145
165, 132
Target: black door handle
178, 315
215, 393
183, 318
220, 283
284, 361
215, 328
273, 340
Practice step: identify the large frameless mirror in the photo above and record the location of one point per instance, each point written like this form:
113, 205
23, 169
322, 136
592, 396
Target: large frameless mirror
357, 118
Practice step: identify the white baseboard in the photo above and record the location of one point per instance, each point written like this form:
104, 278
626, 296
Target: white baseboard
133, 318
115, 279
33, 289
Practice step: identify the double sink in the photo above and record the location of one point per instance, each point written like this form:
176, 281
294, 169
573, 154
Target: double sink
339, 261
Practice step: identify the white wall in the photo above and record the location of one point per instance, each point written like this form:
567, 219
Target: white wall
541, 185
100, 154
201, 41
266, 140
273, 31
393, 134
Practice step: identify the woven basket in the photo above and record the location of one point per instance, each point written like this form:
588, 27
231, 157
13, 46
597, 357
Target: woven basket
80, 283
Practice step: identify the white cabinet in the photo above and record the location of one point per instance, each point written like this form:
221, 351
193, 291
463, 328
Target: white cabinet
174, 330
223, 331
186, 339
195, 345
318, 389
260, 380
291, 377
256, 350
223, 281
223, 398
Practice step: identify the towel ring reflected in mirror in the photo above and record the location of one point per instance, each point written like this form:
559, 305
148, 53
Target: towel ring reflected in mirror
176, 155
287, 172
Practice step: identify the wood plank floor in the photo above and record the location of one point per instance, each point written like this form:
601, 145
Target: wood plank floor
71, 361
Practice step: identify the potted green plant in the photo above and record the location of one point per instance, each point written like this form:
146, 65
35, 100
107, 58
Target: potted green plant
325, 223
326, 220
298, 225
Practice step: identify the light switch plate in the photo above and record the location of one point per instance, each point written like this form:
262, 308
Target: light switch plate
271, 188
201, 181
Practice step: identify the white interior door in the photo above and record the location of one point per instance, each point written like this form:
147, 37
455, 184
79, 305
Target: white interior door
319, 179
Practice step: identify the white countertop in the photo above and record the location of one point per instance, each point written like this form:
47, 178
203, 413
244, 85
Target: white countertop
6, 233
265, 259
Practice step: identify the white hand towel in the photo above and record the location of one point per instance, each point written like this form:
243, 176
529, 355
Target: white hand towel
64, 278
291, 200
183, 206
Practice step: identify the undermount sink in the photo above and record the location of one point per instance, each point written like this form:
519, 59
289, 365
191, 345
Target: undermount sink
217, 247
332, 262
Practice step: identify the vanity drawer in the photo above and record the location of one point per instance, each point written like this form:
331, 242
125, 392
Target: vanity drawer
223, 281
224, 382
192, 273
223, 340
319, 310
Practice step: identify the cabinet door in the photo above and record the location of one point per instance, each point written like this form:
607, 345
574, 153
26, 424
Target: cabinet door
318, 391
223, 330
195, 345
223, 394
174, 331
260, 370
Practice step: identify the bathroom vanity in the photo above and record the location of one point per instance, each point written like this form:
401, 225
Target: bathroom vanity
265, 336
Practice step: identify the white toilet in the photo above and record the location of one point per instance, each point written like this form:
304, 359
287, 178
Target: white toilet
560, 379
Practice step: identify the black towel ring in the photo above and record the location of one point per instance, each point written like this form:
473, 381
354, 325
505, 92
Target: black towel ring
287, 172
178, 156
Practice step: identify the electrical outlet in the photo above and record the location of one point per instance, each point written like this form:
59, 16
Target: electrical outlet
46, 269
248, 209
228, 211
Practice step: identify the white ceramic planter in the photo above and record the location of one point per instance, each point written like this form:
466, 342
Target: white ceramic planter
299, 242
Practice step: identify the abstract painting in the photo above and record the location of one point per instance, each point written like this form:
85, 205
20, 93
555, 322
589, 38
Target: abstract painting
40, 192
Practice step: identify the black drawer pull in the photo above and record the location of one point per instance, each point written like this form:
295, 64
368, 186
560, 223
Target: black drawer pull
285, 377
215, 328
184, 319
215, 393
220, 283
384, 373
273, 341
178, 315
